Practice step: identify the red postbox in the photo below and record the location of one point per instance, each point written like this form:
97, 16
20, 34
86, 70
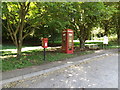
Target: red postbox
67, 41
44, 42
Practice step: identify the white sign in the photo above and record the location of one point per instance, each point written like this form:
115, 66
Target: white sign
105, 41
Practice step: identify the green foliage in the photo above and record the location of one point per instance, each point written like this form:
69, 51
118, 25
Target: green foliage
109, 18
48, 19
8, 47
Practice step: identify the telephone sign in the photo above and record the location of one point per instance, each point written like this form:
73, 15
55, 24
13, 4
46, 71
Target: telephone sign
67, 41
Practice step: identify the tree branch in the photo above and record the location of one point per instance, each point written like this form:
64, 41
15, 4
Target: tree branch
20, 4
27, 8
17, 29
10, 28
4, 26
11, 35
27, 34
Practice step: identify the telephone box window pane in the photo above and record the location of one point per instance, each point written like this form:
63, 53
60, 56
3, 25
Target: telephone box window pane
70, 41
70, 34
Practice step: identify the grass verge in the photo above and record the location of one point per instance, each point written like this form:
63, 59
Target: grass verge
35, 57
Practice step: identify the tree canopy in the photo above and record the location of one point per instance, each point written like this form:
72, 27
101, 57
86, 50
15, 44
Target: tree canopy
48, 19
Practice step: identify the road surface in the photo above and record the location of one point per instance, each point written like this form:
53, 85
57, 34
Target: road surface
101, 72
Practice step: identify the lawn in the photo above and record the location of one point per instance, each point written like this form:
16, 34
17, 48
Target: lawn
111, 44
35, 57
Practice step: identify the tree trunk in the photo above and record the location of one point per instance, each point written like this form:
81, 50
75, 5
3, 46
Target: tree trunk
118, 37
82, 37
20, 38
19, 51
82, 43
106, 29
53, 41
118, 26
106, 22
19, 48
118, 32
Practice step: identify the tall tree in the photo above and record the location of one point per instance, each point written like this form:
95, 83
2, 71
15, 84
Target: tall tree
109, 17
84, 16
51, 19
80, 16
16, 15
118, 21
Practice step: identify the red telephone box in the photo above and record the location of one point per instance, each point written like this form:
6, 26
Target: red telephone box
67, 41
44, 42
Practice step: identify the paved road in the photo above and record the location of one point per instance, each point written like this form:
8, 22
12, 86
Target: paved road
99, 73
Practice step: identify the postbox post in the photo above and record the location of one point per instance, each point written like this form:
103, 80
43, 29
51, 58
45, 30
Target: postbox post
44, 54
44, 45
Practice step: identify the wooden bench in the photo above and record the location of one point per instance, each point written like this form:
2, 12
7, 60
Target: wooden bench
93, 46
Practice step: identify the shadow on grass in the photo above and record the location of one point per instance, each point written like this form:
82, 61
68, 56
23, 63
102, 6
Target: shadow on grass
35, 57
29, 58
6, 53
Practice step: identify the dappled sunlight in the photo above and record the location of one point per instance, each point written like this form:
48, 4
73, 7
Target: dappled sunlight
31, 48
59, 61
66, 81
75, 76
11, 50
6, 53
23, 49
115, 46
89, 66
70, 75
53, 48
74, 80
52, 79
98, 51
8, 56
69, 62
81, 75
84, 80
